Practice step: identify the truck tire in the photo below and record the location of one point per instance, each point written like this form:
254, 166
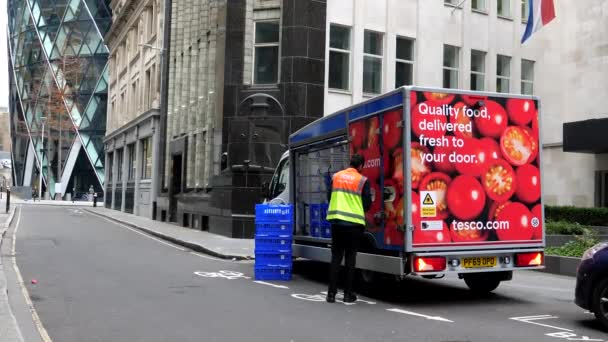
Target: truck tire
481, 283
598, 304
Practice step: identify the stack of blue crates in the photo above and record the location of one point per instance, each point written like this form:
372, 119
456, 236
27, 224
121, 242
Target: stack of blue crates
319, 227
273, 236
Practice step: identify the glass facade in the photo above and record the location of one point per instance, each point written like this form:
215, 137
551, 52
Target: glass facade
59, 81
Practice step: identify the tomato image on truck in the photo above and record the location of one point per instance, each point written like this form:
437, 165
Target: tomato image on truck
455, 177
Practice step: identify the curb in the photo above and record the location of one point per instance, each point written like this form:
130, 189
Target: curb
189, 245
566, 266
7, 223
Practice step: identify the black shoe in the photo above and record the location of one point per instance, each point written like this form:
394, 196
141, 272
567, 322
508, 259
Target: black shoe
331, 297
350, 298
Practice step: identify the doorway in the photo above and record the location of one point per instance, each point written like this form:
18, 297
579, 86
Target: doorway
176, 185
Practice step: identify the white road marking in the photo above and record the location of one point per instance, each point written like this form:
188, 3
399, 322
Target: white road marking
530, 319
341, 295
434, 318
222, 274
270, 284
44, 335
312, 298
140, 233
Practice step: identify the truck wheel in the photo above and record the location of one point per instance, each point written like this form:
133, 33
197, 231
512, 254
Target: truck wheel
599, 304
481, 283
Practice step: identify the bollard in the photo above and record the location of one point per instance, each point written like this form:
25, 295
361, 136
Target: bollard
95, 200
8, 199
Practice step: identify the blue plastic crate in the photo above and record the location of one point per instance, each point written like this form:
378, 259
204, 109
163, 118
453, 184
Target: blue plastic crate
273, 213
318, 212
326, 231
277, 228
273, 272
265, 258
272, 242
315, 230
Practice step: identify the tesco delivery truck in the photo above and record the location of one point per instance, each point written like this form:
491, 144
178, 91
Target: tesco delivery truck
455, 178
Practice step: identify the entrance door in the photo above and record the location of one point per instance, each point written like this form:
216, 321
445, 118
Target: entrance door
176, 185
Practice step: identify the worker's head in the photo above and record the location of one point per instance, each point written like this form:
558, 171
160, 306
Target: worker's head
356, 161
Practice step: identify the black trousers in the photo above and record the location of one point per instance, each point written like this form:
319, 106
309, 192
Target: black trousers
345, 240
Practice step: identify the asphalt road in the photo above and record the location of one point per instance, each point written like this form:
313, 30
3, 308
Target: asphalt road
99, 281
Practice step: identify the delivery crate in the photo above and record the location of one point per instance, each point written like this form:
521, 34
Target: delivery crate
315, 230
265, 242
273, 272
265, 258
273, 213
318, 212
273, 228
326, 230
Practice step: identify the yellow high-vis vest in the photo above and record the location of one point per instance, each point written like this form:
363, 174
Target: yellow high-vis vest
346, 203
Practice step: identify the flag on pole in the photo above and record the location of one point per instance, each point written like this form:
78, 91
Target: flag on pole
540, 13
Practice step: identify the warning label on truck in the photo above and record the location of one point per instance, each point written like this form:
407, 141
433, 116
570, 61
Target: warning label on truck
428, 203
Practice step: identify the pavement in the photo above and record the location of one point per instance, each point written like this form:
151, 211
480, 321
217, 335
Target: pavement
9, 329
100, 280
208, 243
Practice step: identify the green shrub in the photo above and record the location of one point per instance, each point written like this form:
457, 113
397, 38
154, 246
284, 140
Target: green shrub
583, 216
564, 228
575, 248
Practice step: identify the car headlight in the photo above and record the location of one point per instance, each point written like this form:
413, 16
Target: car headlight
591, 251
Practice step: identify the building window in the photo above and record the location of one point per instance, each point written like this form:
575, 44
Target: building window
451, 2
478, 5
119, 165
527, 77
503, 8
131, 161
339, 57
524, 11
266, 52
372, 62
404, 65
450, 66
503, 73
146, 162
478, 69
151, 21
147, 90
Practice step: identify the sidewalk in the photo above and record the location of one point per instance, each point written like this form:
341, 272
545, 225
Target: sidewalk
212, 244
9, 329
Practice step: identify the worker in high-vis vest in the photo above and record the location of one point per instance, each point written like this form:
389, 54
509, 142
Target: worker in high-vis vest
349, 199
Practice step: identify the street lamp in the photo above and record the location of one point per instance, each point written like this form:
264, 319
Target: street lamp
43, 119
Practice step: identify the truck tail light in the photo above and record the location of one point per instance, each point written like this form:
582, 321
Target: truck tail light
429, 264
529, 259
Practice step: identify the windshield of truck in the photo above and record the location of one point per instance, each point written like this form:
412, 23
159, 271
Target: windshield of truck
280, 179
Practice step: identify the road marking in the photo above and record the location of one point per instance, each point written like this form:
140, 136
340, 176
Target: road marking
270, 284
530, 319
222, 274
44, 335
312, 298
434, 318
140, 233
341, 295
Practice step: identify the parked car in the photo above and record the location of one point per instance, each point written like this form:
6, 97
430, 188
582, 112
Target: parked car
592, 282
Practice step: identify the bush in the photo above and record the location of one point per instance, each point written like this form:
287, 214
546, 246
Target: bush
564, 228
574, 248
583, 216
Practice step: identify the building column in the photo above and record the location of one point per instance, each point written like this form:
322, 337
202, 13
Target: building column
155, 171
114, 175
138, 169
124, 172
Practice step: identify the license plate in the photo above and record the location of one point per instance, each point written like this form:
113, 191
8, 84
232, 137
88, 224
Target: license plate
478, 262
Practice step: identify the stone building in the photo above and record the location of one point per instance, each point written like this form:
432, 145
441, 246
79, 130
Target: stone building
5, 134
133, 121
243, 75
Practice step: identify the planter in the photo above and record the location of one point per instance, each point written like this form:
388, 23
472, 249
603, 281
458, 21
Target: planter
561, 265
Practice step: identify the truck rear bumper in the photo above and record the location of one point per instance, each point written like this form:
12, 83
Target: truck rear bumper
504, 260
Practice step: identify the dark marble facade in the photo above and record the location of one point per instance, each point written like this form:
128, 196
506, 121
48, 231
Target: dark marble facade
257, 120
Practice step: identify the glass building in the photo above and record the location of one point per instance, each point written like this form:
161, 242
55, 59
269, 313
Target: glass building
58, 93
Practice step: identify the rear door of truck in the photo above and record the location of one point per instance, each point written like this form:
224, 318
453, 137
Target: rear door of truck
475, 180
